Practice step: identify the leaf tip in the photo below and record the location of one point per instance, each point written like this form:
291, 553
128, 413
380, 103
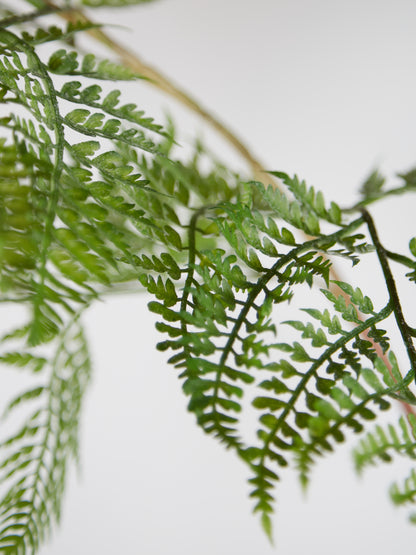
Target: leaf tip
266, 524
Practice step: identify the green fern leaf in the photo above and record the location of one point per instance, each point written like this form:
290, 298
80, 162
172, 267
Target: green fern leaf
35, 483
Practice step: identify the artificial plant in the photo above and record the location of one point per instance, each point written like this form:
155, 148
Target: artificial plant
94, 200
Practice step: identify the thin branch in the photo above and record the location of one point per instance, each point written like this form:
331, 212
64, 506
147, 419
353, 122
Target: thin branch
404, 328
30, 16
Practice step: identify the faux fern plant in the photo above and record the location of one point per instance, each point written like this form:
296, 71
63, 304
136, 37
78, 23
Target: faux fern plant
94, 200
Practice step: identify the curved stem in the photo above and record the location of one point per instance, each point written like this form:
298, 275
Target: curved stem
404, 328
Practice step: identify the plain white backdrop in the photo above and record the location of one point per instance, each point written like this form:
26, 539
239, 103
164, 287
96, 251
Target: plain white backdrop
324, 89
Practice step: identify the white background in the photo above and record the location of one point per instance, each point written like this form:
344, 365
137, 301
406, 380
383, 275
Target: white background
325, 89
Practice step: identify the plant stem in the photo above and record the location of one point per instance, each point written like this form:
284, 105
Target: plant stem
18, 19
404, 328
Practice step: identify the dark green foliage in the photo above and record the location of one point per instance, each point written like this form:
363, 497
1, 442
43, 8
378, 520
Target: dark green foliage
223, 336
94, 201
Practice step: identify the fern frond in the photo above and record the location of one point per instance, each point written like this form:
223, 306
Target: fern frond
94, 199
373, 188
63, 62
73, 219
316, 404
85, 250
34, 460
311, 200
54, 33
406, 493
220, 331
381, 444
